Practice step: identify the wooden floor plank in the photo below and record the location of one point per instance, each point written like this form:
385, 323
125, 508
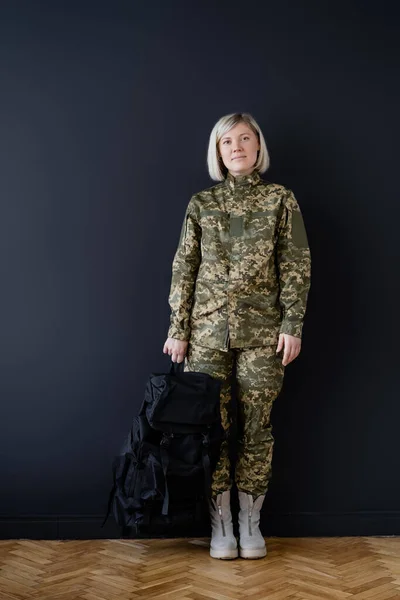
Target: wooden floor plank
182, 569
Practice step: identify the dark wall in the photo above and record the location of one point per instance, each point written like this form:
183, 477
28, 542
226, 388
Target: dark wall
106, 109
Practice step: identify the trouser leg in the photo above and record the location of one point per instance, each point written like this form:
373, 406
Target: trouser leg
260, 375
217, 364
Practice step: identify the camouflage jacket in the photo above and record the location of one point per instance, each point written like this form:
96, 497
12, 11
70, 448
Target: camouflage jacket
241, 271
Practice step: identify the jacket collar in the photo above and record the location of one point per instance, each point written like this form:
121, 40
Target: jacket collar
235, 181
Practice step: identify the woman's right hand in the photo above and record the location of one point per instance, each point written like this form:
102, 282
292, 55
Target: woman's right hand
176, 349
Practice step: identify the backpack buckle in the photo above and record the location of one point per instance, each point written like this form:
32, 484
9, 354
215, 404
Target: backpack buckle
166, 439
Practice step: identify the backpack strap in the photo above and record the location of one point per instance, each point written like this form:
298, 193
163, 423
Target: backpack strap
176, 367
165, 441
206, 465
110, 499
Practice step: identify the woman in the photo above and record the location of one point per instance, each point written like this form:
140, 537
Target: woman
240, 282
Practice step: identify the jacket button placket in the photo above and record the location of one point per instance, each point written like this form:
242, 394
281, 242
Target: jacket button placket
233, 203
228, 208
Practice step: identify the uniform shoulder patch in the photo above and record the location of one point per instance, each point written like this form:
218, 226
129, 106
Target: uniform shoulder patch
299, 235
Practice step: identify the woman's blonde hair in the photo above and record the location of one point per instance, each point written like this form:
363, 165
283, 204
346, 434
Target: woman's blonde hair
216, 167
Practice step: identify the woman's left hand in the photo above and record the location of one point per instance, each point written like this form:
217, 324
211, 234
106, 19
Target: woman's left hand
291, 346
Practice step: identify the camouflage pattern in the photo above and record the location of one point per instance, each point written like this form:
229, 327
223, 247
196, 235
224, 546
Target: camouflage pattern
241, 271
259, 374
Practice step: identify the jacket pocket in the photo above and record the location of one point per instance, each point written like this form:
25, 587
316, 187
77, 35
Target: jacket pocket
182, 236
150, 480
211, 212
215, 229
259, 224
299, 234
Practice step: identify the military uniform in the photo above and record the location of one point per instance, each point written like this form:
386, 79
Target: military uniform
240, 276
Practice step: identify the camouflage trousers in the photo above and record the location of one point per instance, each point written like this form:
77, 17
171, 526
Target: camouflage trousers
259, 378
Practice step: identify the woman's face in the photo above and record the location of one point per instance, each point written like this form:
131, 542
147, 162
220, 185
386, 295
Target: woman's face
238, 149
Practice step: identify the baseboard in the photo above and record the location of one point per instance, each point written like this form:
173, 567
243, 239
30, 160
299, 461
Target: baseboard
308, 524
303, 524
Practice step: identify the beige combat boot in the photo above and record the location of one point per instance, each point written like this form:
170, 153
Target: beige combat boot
252, 543
223, 542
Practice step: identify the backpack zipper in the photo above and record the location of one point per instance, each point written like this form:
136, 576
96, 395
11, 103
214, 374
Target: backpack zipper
227, 336
166, 438
138, 461
222, 521
250, 533
250, 511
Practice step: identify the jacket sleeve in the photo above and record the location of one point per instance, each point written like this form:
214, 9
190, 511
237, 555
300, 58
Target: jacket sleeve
185, 266
294, 266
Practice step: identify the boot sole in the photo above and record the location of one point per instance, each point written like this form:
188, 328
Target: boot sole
224, 554
253, 553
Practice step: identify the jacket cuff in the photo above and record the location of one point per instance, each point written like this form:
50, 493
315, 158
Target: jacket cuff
291, 328
178, 334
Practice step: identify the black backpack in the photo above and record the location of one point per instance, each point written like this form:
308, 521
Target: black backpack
162, 476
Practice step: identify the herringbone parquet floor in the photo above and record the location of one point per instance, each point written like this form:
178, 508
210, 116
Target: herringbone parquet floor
296, 568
